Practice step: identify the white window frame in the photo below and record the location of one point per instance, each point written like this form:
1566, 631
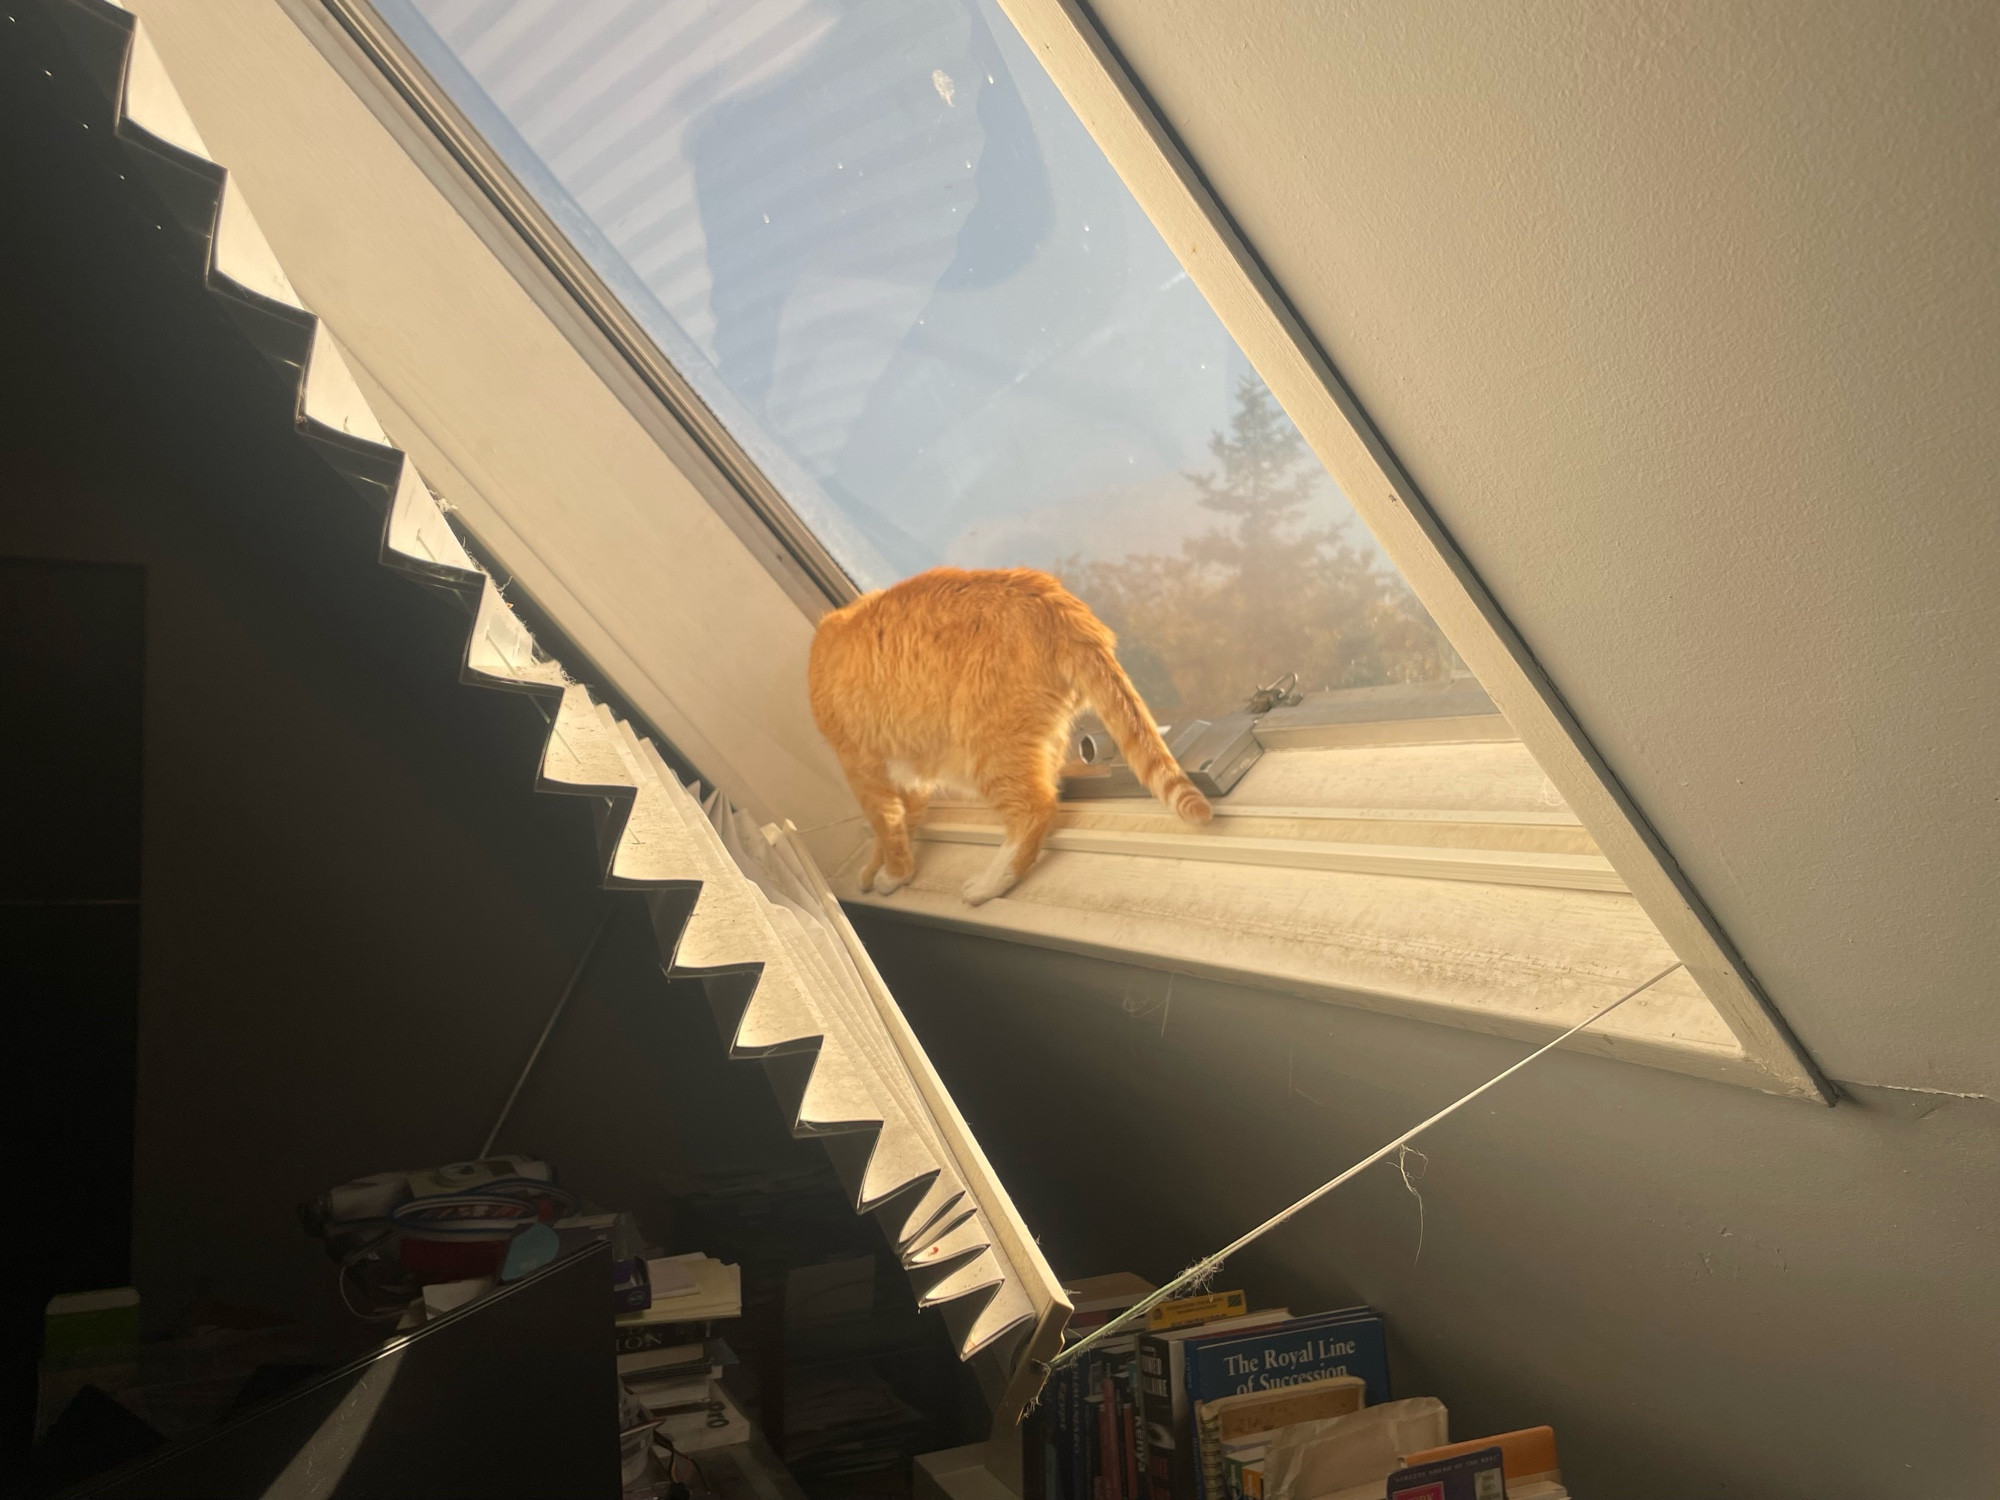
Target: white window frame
525, 392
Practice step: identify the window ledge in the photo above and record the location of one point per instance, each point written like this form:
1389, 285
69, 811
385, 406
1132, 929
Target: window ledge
1500, 917
1570, 872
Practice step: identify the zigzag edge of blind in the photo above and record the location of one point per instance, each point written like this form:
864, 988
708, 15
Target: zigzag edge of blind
777, 994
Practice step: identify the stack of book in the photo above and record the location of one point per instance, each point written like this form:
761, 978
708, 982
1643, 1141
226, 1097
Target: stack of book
1398, 1450
844, 1420
671, 1354
692, 1295
840, 1370
674, 1378
1208, 1400
1185, 1407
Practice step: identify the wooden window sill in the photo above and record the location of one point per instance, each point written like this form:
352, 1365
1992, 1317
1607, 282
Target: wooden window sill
1440, 881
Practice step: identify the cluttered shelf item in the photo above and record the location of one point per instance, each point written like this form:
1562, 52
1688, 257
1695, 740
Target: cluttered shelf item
409, 1245
844, 1375
492, 1259
799, 1364
671, 1357
1210, 1399
788, 1350
106, 1396
453, 1275
416, 1414
1526, 1459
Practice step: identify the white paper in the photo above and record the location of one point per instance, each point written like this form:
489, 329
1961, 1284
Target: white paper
670, 1278
1318, 1460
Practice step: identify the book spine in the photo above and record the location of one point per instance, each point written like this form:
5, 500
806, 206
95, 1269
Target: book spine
1141, 1447
1153, 1413
1106, 1468
1036, 1438
1167, 1476
1079, 1441
1185, 1474
1057, 1413
1056, 1399
1208, 1448
636, 1338
1128, 1444
1086, 1428
1347, 1343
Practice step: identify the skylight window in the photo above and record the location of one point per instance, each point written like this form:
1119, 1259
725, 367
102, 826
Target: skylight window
880, 246
961, 341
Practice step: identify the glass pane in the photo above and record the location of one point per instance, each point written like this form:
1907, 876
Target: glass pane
875, 239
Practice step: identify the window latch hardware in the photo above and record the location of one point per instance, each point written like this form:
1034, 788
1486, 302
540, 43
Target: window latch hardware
1281, 693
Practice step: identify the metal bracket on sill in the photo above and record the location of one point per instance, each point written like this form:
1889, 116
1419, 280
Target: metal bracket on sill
1215, 753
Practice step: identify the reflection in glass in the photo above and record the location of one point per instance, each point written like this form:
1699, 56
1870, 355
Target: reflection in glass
874, 238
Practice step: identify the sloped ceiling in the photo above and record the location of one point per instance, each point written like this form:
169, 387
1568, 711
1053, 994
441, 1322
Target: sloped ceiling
1685, 320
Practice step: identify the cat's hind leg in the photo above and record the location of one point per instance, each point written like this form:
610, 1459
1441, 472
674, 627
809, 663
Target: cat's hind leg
1026, 802
898, 860
890, 864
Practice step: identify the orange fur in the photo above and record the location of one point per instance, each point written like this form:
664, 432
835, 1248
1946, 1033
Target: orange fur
971, 680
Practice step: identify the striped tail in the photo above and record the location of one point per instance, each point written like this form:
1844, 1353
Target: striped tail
1108, 690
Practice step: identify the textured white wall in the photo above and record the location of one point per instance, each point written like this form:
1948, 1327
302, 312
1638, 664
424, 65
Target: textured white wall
1684, 319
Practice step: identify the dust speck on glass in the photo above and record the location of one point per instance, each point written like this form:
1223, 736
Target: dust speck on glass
876, 241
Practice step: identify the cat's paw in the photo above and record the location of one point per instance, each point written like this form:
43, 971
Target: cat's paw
887, 884
984, 888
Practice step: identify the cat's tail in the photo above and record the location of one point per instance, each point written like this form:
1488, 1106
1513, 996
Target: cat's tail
1106, 688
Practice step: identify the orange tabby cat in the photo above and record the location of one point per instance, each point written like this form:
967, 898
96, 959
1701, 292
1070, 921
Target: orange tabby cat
970, 681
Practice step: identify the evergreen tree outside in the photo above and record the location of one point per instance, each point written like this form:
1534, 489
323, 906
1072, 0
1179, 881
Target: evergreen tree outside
1261, 593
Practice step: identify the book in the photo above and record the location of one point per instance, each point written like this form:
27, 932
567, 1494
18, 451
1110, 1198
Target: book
1082, 1440
1243, 1471
1239, 1361
1466, 1476
1183, 1312
1053, 1432
635, 1336
1163, 1402
1103, 1461
1232, 1418
1061, 1441
1349, 1457
678, 1314
1234, 1431
1263, 1351
1105, 1469
1096, 1300
1527, 1461
1223, 1360
663, 1354
681, 1393
717, 1292
1128, 1432
1105, 1476
1037, 1443
658, 1364
672, 1278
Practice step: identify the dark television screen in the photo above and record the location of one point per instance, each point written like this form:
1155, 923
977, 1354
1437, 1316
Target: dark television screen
512, 1395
